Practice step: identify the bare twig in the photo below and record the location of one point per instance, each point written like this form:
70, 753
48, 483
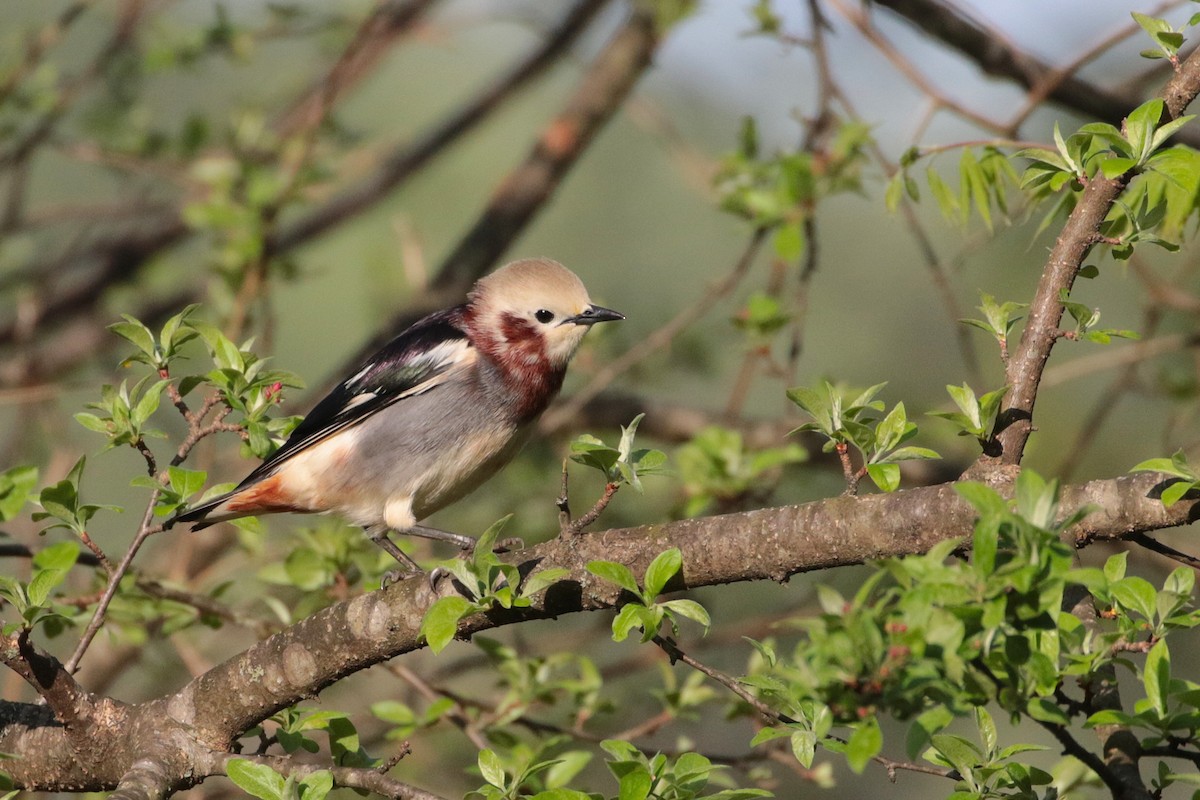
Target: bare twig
674, 652
996, 56
407, 160
593, 513
1166, 550
145, 530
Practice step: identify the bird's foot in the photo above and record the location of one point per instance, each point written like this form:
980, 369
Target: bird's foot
396, 576
435, 576
509, 544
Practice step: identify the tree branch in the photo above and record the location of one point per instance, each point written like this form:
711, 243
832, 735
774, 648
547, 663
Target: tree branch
214, 709
405, 161
997, 57
1028, 363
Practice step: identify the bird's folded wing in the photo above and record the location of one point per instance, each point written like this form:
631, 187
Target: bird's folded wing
418, 360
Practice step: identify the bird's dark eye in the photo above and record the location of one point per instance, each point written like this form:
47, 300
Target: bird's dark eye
544, 316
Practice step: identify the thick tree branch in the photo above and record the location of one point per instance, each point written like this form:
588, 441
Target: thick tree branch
209, 713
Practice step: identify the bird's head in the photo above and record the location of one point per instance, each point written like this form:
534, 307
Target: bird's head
533, 312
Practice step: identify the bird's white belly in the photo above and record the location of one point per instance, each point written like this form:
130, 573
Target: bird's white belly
371, 474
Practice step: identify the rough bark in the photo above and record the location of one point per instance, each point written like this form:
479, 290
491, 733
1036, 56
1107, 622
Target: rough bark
185, 732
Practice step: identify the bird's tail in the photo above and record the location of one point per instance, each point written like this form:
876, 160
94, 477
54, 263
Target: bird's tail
254, 496
206, 514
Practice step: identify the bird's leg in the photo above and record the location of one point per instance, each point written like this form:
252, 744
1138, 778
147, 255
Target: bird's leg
379, 535
465, 543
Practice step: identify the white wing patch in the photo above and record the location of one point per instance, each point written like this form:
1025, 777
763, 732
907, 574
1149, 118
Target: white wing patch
359, 399
450, 357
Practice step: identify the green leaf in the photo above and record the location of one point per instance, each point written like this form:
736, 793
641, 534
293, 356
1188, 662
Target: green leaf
441, 621
616, 573
885, 476
258, 780
16, 484
541, 579
690, 609
864, 744
635, 786
661, 570
316, 785
628, 618
1176, 492
1156, 677
804, 747
491, 768
1176, 465
1114, 167
136, 333
1136, 594
51, 566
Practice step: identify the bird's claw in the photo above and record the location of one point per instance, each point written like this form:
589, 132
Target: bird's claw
396, 576
434, 575
508, 545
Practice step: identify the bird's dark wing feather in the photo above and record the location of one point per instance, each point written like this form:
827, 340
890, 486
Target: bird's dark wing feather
427, 349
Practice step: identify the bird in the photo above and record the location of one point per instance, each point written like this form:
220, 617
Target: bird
431, 416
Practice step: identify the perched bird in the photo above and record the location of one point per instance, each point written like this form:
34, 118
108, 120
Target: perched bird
432, 415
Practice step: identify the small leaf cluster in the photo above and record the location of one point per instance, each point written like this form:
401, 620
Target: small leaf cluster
762, 316
242, 379
848, 418
984, 181
247, 387
529, 682
62, 503
294, 726
156, 351
1085, 323
716, 467
639, 777
322, 561
181, 486
778, 193
643, 612
621, 464
263, 782
526, 774
32, 600
998, 319
125, 412
1101, 147
1176, 466
488, 582
1167, 39
244, 189
976, 416
933, 639
657, 777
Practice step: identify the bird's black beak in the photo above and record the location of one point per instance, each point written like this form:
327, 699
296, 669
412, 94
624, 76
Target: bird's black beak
593, 314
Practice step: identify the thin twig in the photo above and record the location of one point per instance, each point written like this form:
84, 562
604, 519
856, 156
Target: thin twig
1165, 550
732, 684
593, 514
145, 530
